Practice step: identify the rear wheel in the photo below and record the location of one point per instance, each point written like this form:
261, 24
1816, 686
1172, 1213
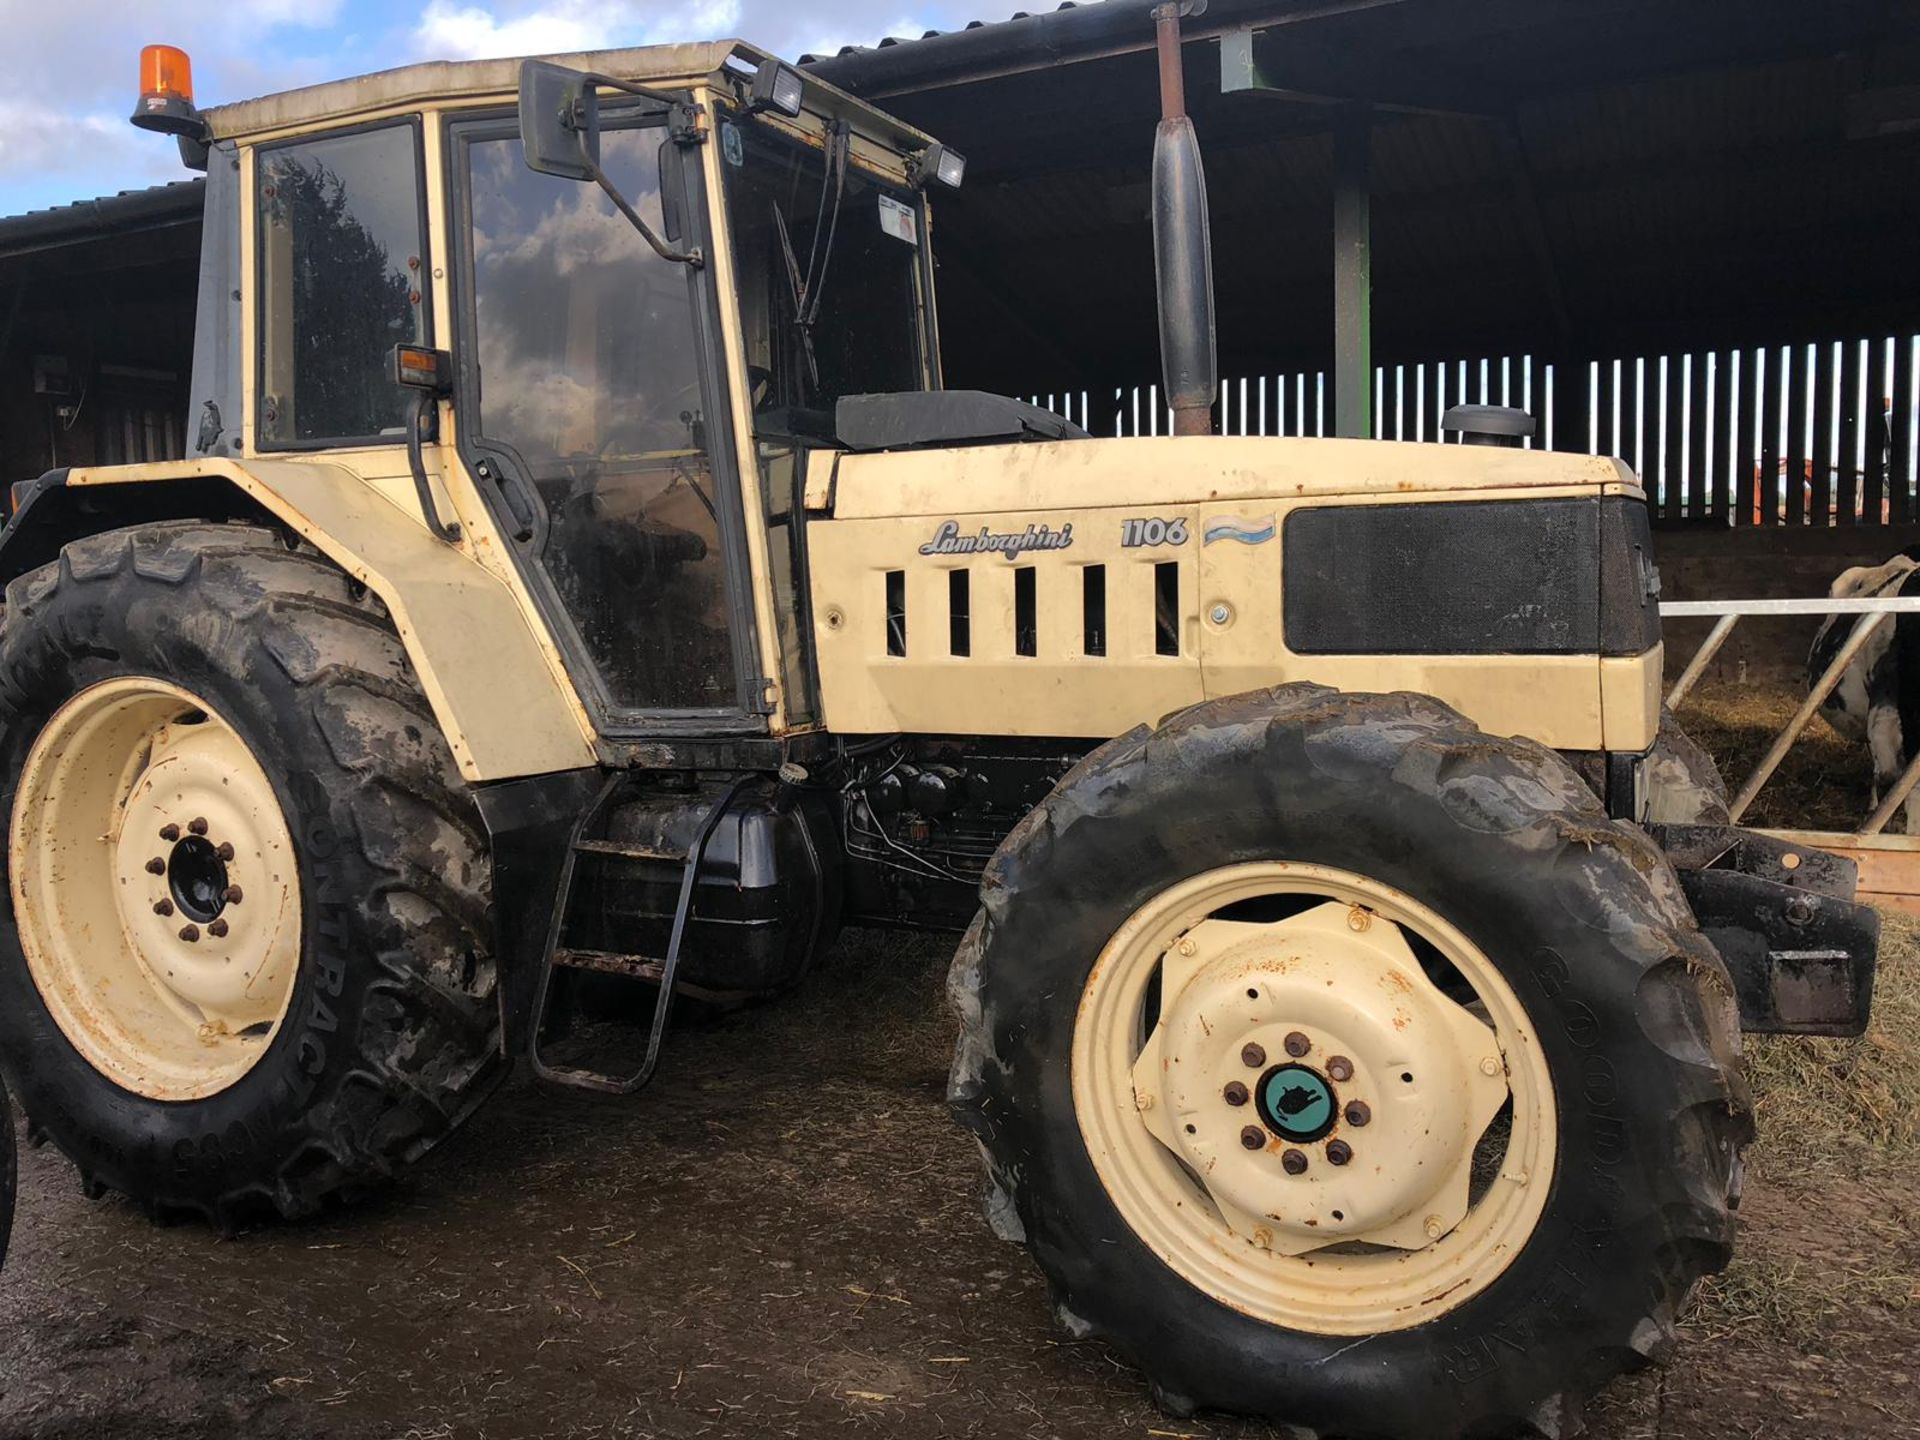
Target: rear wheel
9, 1173
1347, 1067
247, 965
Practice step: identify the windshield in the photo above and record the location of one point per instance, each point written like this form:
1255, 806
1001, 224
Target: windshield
828, 267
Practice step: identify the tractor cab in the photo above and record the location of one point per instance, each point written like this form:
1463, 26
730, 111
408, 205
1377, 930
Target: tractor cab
618, 294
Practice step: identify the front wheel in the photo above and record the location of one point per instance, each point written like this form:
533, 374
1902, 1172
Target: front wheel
1347, 1067
246, 963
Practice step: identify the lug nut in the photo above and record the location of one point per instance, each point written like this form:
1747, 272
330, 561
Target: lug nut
190, 933
1235, 1093
163, 907
1294, 1162
217, 929
225, 851
1435, 1227
1339, 1068
1253, 1137
156, 866
1358, 1113
1297, 1044
169, 832
1252, 1056
1489, 1065
198, 825
233, 895
1339, 1152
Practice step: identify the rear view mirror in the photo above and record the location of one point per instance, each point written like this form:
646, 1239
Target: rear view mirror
673, 179
559, 121
560, 133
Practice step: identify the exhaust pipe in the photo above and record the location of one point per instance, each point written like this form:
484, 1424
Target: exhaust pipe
1182, 247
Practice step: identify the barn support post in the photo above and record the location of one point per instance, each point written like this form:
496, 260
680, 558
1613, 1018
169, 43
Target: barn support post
1353, 273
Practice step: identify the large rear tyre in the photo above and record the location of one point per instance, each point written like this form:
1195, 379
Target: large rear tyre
246, 965
9, 1173
1344, 1066
1684, 786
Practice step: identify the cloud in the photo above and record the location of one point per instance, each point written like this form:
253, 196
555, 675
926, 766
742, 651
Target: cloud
449, 30
67, 67
471, 29
831, 39
68, 73
37, 141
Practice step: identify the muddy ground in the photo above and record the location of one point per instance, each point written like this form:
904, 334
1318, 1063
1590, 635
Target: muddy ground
781, 1238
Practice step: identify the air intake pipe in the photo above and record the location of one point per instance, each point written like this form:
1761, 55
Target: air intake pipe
1182, 248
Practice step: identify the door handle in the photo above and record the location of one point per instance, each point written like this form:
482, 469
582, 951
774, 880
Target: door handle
517, 503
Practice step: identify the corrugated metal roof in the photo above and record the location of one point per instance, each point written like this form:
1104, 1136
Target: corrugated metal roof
175, 202
887, 42
1544, 173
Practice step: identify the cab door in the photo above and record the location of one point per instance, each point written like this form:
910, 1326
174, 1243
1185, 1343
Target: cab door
594, 415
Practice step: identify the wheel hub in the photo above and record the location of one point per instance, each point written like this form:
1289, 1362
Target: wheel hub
197, 879
155, 888
1297, 1103
1369, 1086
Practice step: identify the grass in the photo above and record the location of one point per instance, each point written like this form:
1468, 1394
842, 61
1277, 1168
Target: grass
1839, 1143
1851, 1106
1791, 1298
1838, 1151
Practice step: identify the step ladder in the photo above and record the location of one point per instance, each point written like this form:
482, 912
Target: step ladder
579, 1078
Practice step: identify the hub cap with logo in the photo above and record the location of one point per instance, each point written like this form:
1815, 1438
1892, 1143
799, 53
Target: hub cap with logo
1313, 1097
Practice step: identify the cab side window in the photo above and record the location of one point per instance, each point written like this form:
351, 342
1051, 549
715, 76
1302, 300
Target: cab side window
342, 273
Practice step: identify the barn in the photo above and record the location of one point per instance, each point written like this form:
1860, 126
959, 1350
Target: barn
1676, 234
1679, 234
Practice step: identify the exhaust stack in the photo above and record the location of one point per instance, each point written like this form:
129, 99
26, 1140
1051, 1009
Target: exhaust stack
1182, 247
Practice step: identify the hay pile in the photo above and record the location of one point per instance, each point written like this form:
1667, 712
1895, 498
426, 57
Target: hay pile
1826, 781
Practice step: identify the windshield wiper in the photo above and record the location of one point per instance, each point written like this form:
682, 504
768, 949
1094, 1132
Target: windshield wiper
807, 288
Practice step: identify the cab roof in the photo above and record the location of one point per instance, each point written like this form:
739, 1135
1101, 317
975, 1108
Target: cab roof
437, 82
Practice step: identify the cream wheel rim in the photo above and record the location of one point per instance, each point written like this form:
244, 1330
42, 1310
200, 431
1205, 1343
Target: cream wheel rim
155, 891
1300, 1117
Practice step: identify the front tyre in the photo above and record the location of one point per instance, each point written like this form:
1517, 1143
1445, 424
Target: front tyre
1347, 1067
247, 964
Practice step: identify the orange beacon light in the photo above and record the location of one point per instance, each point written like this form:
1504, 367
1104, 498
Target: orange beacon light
166, 93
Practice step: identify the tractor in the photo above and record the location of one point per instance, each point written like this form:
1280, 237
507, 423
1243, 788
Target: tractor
580, 574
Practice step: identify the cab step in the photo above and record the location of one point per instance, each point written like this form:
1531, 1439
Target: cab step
601, 1082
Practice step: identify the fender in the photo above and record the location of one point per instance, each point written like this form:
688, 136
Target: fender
496, 686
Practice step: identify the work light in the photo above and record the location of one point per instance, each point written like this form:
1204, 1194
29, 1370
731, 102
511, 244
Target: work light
777, 87
939, 164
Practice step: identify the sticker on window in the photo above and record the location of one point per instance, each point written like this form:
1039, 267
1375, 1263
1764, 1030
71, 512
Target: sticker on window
730, 144
899, 221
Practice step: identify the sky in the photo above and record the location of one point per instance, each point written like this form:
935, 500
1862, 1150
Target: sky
69, 69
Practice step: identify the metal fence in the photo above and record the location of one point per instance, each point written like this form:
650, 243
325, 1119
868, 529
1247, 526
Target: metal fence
1816, 433
1872, 615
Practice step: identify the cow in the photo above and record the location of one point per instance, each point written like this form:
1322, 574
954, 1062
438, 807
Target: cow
1878, 697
